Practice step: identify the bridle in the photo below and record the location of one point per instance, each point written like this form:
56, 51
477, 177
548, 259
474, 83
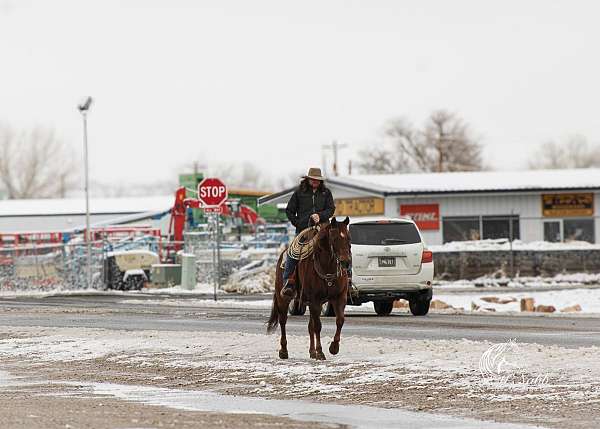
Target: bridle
328, 277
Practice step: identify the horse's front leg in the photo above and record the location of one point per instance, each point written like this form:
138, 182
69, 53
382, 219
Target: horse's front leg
315, 316
339, 305
311, 335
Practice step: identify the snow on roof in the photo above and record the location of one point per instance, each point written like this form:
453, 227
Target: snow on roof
480, 181
73, 206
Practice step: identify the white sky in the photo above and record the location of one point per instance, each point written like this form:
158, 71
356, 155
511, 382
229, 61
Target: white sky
271, 81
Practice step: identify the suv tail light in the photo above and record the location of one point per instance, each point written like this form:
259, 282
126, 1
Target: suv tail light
427, 256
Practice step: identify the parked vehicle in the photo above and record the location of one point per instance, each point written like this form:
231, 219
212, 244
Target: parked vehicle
389, 261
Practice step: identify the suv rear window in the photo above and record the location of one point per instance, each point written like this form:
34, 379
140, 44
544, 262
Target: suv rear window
388, 234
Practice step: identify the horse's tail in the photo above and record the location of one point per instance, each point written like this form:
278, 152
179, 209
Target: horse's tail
274, 318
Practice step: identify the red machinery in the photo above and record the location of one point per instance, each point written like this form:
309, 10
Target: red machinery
21, 243
116, 232
178, 212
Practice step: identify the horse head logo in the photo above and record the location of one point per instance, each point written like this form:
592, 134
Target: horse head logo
496, 361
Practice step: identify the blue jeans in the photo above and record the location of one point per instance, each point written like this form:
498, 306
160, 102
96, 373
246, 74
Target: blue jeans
290, 265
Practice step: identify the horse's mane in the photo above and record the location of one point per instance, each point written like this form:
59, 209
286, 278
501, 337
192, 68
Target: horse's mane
323, 233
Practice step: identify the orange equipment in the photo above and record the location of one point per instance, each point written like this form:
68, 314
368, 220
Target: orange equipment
178, 212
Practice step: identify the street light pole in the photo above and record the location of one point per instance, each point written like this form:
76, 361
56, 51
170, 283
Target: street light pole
84, 108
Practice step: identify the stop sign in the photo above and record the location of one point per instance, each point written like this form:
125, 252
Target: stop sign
212, 192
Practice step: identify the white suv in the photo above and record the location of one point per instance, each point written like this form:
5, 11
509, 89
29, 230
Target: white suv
390, 262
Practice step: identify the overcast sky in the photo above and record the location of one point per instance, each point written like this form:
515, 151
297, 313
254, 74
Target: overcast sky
272, 81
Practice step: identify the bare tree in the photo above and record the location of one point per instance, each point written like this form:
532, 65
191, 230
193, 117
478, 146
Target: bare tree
573, 152
382, 159
35, 164
445, 143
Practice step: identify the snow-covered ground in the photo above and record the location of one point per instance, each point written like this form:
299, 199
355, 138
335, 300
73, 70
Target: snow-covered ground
362, 362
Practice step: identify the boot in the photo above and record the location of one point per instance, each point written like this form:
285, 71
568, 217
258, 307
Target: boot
288, 290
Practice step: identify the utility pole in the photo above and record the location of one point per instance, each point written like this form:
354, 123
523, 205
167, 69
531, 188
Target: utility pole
335, 147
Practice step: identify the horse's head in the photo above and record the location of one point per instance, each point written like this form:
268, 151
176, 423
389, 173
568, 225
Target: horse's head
339, 240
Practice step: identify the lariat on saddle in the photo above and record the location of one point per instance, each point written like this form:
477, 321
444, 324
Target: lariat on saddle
303, 245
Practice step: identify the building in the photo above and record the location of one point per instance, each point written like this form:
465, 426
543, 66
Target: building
535, 205
69, 214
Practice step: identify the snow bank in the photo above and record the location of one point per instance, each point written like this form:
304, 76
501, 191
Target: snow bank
560, 280
504, 244
256, 277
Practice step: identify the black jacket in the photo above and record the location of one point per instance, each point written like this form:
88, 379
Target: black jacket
304, 203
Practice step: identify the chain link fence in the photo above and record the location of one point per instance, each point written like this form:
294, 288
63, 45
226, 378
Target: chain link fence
236, 262
48, 267
58, 266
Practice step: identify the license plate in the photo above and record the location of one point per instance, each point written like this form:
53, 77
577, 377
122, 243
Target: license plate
387, 261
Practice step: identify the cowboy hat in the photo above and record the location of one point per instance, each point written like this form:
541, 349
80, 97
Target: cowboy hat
314, 173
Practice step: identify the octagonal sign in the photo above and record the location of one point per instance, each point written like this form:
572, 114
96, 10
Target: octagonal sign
212, 192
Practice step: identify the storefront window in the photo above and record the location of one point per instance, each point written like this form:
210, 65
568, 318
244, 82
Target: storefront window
461, 229
499, 227
579, 230
552, 231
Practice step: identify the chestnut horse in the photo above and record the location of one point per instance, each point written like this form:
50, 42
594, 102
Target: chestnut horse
321, 277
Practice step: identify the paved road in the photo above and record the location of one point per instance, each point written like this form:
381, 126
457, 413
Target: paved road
110, 312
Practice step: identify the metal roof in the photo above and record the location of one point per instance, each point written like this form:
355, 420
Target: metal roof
461, 182
74, 206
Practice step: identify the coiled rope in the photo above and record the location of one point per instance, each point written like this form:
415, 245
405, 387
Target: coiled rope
303, 245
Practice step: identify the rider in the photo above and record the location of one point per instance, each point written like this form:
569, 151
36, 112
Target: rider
311, 201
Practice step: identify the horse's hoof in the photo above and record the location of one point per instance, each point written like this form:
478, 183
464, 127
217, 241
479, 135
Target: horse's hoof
283, 354
320, 356
334, 348
313, 354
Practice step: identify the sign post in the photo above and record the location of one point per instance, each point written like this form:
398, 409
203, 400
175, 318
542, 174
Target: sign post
212, 194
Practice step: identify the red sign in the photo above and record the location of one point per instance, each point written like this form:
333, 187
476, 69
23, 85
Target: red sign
218, 209
426, 216
212, 192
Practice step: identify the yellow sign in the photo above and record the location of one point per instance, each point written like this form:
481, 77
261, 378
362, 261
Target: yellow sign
558, 205
359, 206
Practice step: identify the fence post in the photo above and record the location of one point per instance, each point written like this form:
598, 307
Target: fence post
512, 254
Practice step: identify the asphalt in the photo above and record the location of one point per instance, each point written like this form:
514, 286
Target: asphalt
111, 312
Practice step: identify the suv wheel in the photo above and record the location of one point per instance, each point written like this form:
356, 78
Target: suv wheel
295, 309
383, 308
327, 310
419, 307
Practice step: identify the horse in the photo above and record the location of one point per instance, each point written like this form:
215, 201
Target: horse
321, 277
